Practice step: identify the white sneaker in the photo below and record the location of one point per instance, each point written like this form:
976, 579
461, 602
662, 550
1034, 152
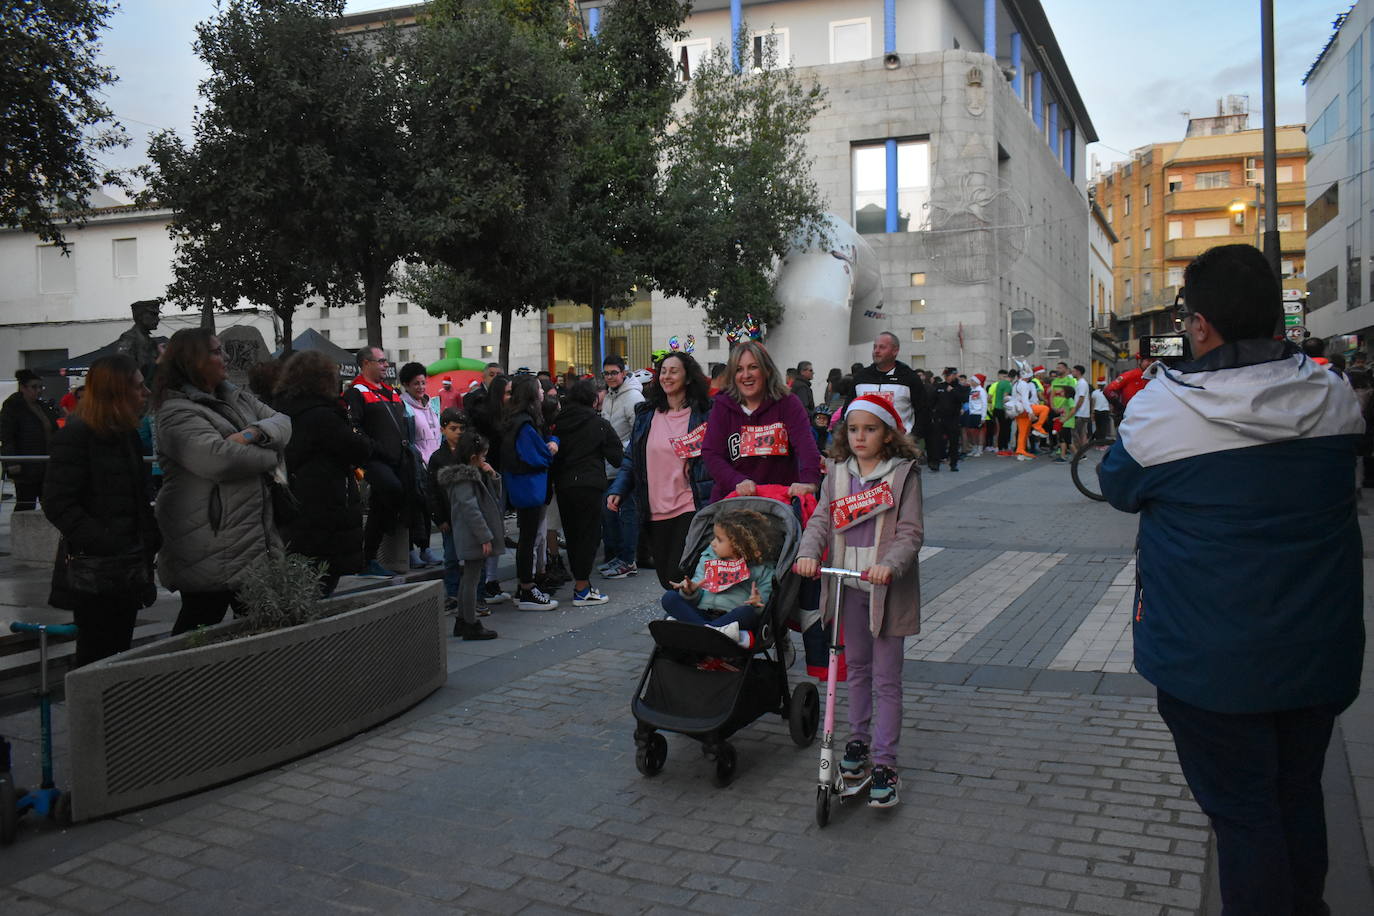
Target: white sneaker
590, 598
533, 600
494, 597
732, 630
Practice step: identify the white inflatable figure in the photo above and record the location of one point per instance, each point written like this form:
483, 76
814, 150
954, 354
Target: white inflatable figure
831, 294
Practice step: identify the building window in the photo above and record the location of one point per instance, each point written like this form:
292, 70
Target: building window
402, 331
1147, 284
1209, 227
1175, 183
769, 50
850, 39
1147, 198
402, 356
126, 257
1206, 180
1173, 276
870, 190
56, 271
1324, 209
488, 352
1126, 288
1109, 213
918, 334
402, 308
1286, 268
688, 57
362, 311
362, 336
918, 279
918, 305
712, 342
443, 330
325, 333
1127, 248
1149, 234
1126, 205
1175, 228
486, 327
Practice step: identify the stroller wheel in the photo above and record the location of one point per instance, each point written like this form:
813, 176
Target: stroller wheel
9, 810
651, 755
822, 805
725, 764
804, 714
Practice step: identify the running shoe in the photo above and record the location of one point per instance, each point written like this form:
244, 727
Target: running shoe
588, 597
621, 571
854, 763
534, 600
492, 593
431, 558
1005, 454
744, 637
882, 792
375, 570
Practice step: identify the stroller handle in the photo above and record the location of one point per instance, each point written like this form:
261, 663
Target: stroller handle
841, 573
55, 629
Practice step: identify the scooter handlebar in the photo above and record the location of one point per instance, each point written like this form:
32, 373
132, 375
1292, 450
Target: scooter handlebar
841, 573
53, 629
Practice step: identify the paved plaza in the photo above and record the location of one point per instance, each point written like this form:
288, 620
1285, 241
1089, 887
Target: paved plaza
1036, 775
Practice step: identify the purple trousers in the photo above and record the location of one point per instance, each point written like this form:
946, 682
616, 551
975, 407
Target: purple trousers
875, 668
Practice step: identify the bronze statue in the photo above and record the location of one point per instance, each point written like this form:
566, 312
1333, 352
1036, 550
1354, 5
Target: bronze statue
138, 342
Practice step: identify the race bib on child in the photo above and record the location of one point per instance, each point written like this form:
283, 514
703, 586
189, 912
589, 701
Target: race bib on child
689, 446
861, 507
758, 441
722, 574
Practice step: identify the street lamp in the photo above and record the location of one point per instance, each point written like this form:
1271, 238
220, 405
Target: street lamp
1239, 206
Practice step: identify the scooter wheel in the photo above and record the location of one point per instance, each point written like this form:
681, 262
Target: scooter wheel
804, 714
62, 810
725, 765
9, 811
651, 755
822, 805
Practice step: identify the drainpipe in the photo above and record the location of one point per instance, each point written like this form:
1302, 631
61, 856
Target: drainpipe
735, 16
1037, 100
990, 28
1054, 128
889, 26
1017, 85
891, 186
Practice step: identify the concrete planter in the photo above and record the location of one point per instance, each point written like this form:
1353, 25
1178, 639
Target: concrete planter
179, 716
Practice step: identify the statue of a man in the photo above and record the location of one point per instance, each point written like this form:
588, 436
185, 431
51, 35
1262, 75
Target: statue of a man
137, 342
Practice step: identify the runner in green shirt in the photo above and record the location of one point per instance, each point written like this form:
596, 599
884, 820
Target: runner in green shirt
1062, 400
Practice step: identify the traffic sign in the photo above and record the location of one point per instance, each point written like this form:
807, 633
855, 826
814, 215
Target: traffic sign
1292, 294
1292, 321
1296, 334
1292, 308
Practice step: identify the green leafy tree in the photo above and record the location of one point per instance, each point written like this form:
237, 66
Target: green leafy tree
53, 125
290, 189
491, 106
736, 189
612, 237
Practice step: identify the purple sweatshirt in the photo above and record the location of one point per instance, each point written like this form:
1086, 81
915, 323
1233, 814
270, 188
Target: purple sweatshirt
721, 450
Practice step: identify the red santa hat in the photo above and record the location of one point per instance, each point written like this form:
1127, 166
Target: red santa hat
879, 407
982, 379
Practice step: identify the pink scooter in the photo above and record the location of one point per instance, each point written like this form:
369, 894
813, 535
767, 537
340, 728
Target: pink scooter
830, 782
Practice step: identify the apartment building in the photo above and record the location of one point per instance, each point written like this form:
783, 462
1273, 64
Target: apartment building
1172, 201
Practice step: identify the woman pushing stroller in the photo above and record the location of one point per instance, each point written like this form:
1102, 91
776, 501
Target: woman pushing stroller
870, 518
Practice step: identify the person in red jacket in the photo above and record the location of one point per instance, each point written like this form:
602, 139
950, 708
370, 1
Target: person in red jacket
1128, 384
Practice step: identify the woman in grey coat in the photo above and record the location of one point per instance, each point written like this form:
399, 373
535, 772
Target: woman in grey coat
220, 449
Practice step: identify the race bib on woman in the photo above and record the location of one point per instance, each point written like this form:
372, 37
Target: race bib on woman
722, 574
760, 441
860, 507
689, 446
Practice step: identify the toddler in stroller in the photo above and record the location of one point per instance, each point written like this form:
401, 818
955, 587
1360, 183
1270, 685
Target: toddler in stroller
733, 578
707, 682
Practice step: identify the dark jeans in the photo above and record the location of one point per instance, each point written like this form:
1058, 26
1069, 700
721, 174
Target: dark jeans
28, 488
679, 608
1257, 776
453, 568
620, 530
204, 609
944, 441
384, 503
580, 508
527, 524
104, 627
1003, 430
667, 540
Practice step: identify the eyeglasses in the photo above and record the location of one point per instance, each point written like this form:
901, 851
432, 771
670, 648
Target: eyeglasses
611, 372
371, 359
1181, 313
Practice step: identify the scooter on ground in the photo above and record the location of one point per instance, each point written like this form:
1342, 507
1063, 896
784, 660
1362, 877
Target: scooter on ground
47, 800
830, 781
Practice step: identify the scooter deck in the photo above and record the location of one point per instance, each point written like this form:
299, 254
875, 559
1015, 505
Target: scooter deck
854, 788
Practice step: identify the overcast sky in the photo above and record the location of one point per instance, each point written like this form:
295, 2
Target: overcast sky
1138, 65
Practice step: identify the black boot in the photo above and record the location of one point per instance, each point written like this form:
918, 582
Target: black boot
472, 631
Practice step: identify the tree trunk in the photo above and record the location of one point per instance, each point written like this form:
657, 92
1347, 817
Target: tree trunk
286, 333
207, 315
506, 317
598, 320
372, 304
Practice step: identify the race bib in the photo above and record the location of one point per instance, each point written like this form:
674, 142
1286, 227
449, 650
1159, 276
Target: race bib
758, 441
689, 446
722, 574
883, 396
860, 507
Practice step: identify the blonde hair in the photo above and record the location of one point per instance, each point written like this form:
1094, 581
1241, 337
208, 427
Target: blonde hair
750, 533
898, 444
776, 388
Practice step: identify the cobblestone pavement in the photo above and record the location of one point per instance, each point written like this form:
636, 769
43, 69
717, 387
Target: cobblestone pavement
1036, 775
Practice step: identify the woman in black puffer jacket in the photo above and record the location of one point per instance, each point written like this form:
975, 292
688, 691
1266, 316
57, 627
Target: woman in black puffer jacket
324, 449
586, 442
98, 494
27, 425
